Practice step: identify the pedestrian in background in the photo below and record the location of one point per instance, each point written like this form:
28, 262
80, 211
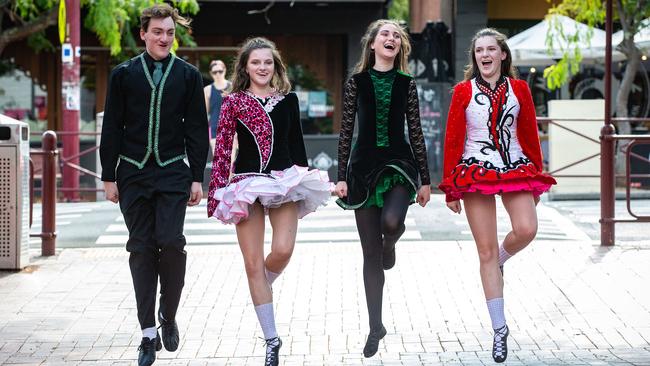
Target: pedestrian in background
153, 184
270, 174
214, 96
385, 174
492, 147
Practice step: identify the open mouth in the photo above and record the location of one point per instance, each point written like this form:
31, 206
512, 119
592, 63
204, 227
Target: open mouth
486, 63
389, 46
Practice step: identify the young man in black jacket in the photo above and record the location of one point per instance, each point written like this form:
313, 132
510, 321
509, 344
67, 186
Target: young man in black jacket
154, 121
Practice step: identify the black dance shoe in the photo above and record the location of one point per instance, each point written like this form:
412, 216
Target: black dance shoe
169, 333
500, 344
147, 350
272, 351
372, 343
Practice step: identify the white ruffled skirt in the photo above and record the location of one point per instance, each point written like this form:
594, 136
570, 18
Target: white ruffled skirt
308, 188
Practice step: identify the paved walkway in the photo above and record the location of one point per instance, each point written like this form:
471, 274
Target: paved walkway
567, 302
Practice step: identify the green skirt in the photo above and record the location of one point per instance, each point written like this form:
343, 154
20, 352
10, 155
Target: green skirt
385, 183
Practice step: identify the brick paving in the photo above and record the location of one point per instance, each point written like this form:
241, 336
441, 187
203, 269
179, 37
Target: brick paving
572, 303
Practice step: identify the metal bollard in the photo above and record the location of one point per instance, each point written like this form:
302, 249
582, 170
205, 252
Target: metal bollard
48, 231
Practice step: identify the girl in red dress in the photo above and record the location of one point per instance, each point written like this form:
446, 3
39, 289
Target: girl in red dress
492, 147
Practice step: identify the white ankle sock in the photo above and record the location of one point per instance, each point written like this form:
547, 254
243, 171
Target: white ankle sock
267, 320
503, 255
150, 332
270, 276
497, 314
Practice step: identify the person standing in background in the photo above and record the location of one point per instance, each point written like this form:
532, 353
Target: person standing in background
214, 96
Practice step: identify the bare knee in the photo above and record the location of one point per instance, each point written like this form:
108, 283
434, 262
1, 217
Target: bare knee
525, 232
488, 254
282, 253
254, 267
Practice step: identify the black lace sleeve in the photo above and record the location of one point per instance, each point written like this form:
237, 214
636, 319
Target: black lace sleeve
415, 133
347, 126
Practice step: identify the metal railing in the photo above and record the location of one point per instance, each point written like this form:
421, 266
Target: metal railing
68, 162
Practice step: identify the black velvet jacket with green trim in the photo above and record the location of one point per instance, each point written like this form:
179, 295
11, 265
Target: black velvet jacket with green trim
165, 122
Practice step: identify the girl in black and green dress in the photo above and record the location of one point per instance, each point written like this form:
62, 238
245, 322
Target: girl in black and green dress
380, 180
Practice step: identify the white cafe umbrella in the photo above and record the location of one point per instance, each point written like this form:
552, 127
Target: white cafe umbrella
641, 38
529, 47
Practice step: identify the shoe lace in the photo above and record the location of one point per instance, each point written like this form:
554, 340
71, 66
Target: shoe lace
500, 341
271, 349
145, 345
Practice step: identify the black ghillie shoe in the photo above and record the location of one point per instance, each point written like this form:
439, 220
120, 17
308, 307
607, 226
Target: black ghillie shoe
147, 350
372, 343
272, 351
500, 344
170, 336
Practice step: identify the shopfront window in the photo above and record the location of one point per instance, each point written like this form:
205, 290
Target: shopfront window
315, 101
21, 98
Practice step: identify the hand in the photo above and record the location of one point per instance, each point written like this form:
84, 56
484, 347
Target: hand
112, 194
341, 189
424, 195
455, 206
196, 193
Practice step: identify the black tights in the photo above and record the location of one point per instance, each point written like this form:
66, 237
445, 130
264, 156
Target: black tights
373, 223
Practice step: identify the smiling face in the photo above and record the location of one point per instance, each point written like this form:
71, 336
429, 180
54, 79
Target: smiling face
489, 56
387, 42
159, 37
260, 67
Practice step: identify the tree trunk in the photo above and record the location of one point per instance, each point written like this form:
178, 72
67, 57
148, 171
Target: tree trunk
13, 34
633, 60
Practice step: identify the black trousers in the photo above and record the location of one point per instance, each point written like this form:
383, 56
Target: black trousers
153, 201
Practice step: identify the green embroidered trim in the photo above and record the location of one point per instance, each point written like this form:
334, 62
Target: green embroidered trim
404, 73
156, 100
383, 84
140, 165
413, 188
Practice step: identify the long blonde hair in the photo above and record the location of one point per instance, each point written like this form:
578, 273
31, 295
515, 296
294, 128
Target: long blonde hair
240, 79
472, 70
367, 59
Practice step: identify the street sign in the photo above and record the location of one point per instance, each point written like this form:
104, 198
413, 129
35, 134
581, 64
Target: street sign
62, 20
66, 53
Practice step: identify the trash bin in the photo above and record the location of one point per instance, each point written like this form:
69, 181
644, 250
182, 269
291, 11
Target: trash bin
14, 193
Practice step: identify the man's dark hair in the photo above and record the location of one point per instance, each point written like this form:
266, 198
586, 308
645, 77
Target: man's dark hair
161, 11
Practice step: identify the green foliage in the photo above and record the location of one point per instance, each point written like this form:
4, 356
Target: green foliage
31, 9
399, 10
38, 42
115, 22
592, 13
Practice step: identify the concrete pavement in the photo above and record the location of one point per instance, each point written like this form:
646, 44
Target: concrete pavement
566, 303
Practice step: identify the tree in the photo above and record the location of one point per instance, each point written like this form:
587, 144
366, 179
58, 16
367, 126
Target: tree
630, 15
113, 21
399, 10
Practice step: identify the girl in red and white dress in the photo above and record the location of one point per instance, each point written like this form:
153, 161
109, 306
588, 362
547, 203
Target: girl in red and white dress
269, 176
492, 147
